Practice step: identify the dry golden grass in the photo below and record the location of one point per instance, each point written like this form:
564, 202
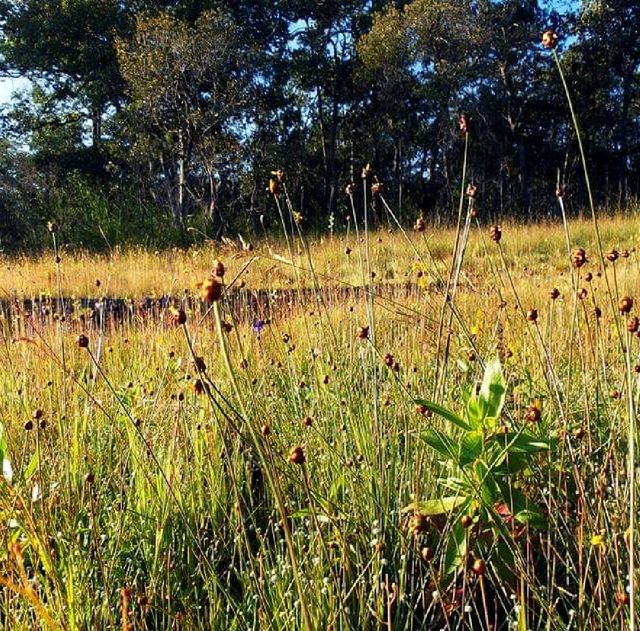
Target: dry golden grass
136, 273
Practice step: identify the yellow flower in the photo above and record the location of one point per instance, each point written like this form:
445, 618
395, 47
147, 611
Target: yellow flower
598, 540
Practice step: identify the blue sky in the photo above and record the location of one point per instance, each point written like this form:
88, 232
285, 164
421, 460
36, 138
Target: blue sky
8, 86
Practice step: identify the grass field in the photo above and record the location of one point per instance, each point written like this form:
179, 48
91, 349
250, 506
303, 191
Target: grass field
291, 469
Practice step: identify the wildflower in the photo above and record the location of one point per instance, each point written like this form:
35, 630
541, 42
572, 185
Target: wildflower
366, 171
363, 332
612, 255
82, 341
350, 189
532, 315
258, 326
554, 294
420, 224
597, 540
376, 188
472, 191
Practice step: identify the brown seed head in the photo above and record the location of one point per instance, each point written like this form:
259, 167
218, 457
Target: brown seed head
626, 304
218, 268
549, 39
579, 257
466, 521
178, 315
613, 255
633, 324
495, 233
532, 414
479, 567
554, 294
420, 225
427, 554
211, 290
532, 315
472, 191
198, 387
296, 455
419, 523
622, 598
82, 341
363, 332
463, 123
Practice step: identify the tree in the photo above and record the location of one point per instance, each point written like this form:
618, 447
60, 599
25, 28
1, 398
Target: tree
186, 85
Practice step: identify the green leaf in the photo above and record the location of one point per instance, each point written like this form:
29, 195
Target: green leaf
444, 413
493, 388
533, 517
488, 486
31, 467
441, 443
522, 442
456, 548
476, 412
441, 506
470, 447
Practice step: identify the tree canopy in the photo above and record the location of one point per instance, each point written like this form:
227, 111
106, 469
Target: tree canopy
174, 113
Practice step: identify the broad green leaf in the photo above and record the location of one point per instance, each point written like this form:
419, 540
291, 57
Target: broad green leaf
441, 506
521, 442
456, 548
441, 443
476, 412
493, 387
470, 447
444, 413
488, 486
532, 517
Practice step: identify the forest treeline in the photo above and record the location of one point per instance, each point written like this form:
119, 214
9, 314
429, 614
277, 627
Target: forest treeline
161, 121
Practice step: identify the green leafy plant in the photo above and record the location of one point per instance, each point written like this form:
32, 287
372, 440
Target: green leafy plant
486, 458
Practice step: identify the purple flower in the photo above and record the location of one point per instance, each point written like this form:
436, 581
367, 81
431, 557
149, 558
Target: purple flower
258, 325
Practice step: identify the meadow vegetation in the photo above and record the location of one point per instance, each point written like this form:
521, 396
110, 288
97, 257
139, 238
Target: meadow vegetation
150, 462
